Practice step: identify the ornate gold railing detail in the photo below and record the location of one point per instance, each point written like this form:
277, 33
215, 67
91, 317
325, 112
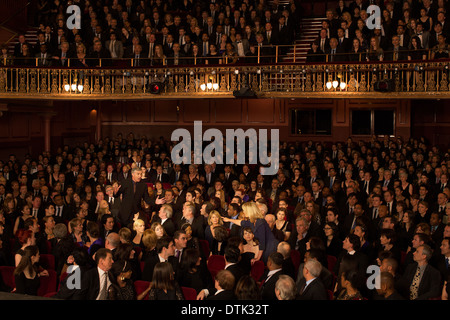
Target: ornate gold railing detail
294, 80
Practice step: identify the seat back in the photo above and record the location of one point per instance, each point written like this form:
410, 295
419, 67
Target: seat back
295, 256
204, 246
189, 293
257, 270
48, 283
331, 260
47, 261
140, 286
7, 273
215, 264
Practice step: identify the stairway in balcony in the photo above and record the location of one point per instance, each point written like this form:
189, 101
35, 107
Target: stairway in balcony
30, 37
310, 28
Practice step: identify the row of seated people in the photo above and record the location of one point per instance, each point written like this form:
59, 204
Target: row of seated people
341, 204
120, 33
406, 31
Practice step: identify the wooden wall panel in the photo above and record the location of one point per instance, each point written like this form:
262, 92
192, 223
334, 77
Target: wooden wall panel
112, 111
137, 111
260, 110
196, 110
20, 125
166, 111
227, 111
4, 125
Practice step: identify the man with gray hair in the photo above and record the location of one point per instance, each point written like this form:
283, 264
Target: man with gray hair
285, 288
133, 191
112, 241
420, 281
311, 286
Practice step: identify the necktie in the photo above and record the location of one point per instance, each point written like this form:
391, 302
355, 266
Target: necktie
375, 214
447, 262
414, 289
111, 200
104, 289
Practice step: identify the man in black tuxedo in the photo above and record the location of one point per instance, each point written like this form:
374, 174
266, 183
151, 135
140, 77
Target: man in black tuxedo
351, 257
343, 43
99, 56
420, 281
311, 286
95, 284
224, 282
165, 250
114, 203
232, 256
159, 175
62, 211
132, 191
333, 23
271, 276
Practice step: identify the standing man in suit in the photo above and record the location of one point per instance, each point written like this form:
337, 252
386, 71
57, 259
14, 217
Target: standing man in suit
95, 284
423, 35
133, 191
311, 286
114, 203
114, 46
271, 276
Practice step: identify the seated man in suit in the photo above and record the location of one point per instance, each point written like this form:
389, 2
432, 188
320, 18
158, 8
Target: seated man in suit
95, 284
387, 289
270, 277
176, 56
420, 281
285, 288
335, 54
232, 256
396, 52
224, 283
311, 286
165, 249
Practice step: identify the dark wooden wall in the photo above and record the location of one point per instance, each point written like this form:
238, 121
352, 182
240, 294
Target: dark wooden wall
74, 122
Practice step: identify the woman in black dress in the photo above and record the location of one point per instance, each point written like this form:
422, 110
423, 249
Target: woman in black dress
315, 54
441, 50
356, 53
164, 286
122, 287
194, 273
26, 274
416, 52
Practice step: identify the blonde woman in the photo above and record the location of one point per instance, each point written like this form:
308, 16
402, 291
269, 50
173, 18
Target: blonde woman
138, 229
214, 220
254, 219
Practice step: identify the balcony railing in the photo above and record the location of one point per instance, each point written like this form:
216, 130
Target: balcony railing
401, 79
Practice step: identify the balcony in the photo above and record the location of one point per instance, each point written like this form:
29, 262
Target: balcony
425, 79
